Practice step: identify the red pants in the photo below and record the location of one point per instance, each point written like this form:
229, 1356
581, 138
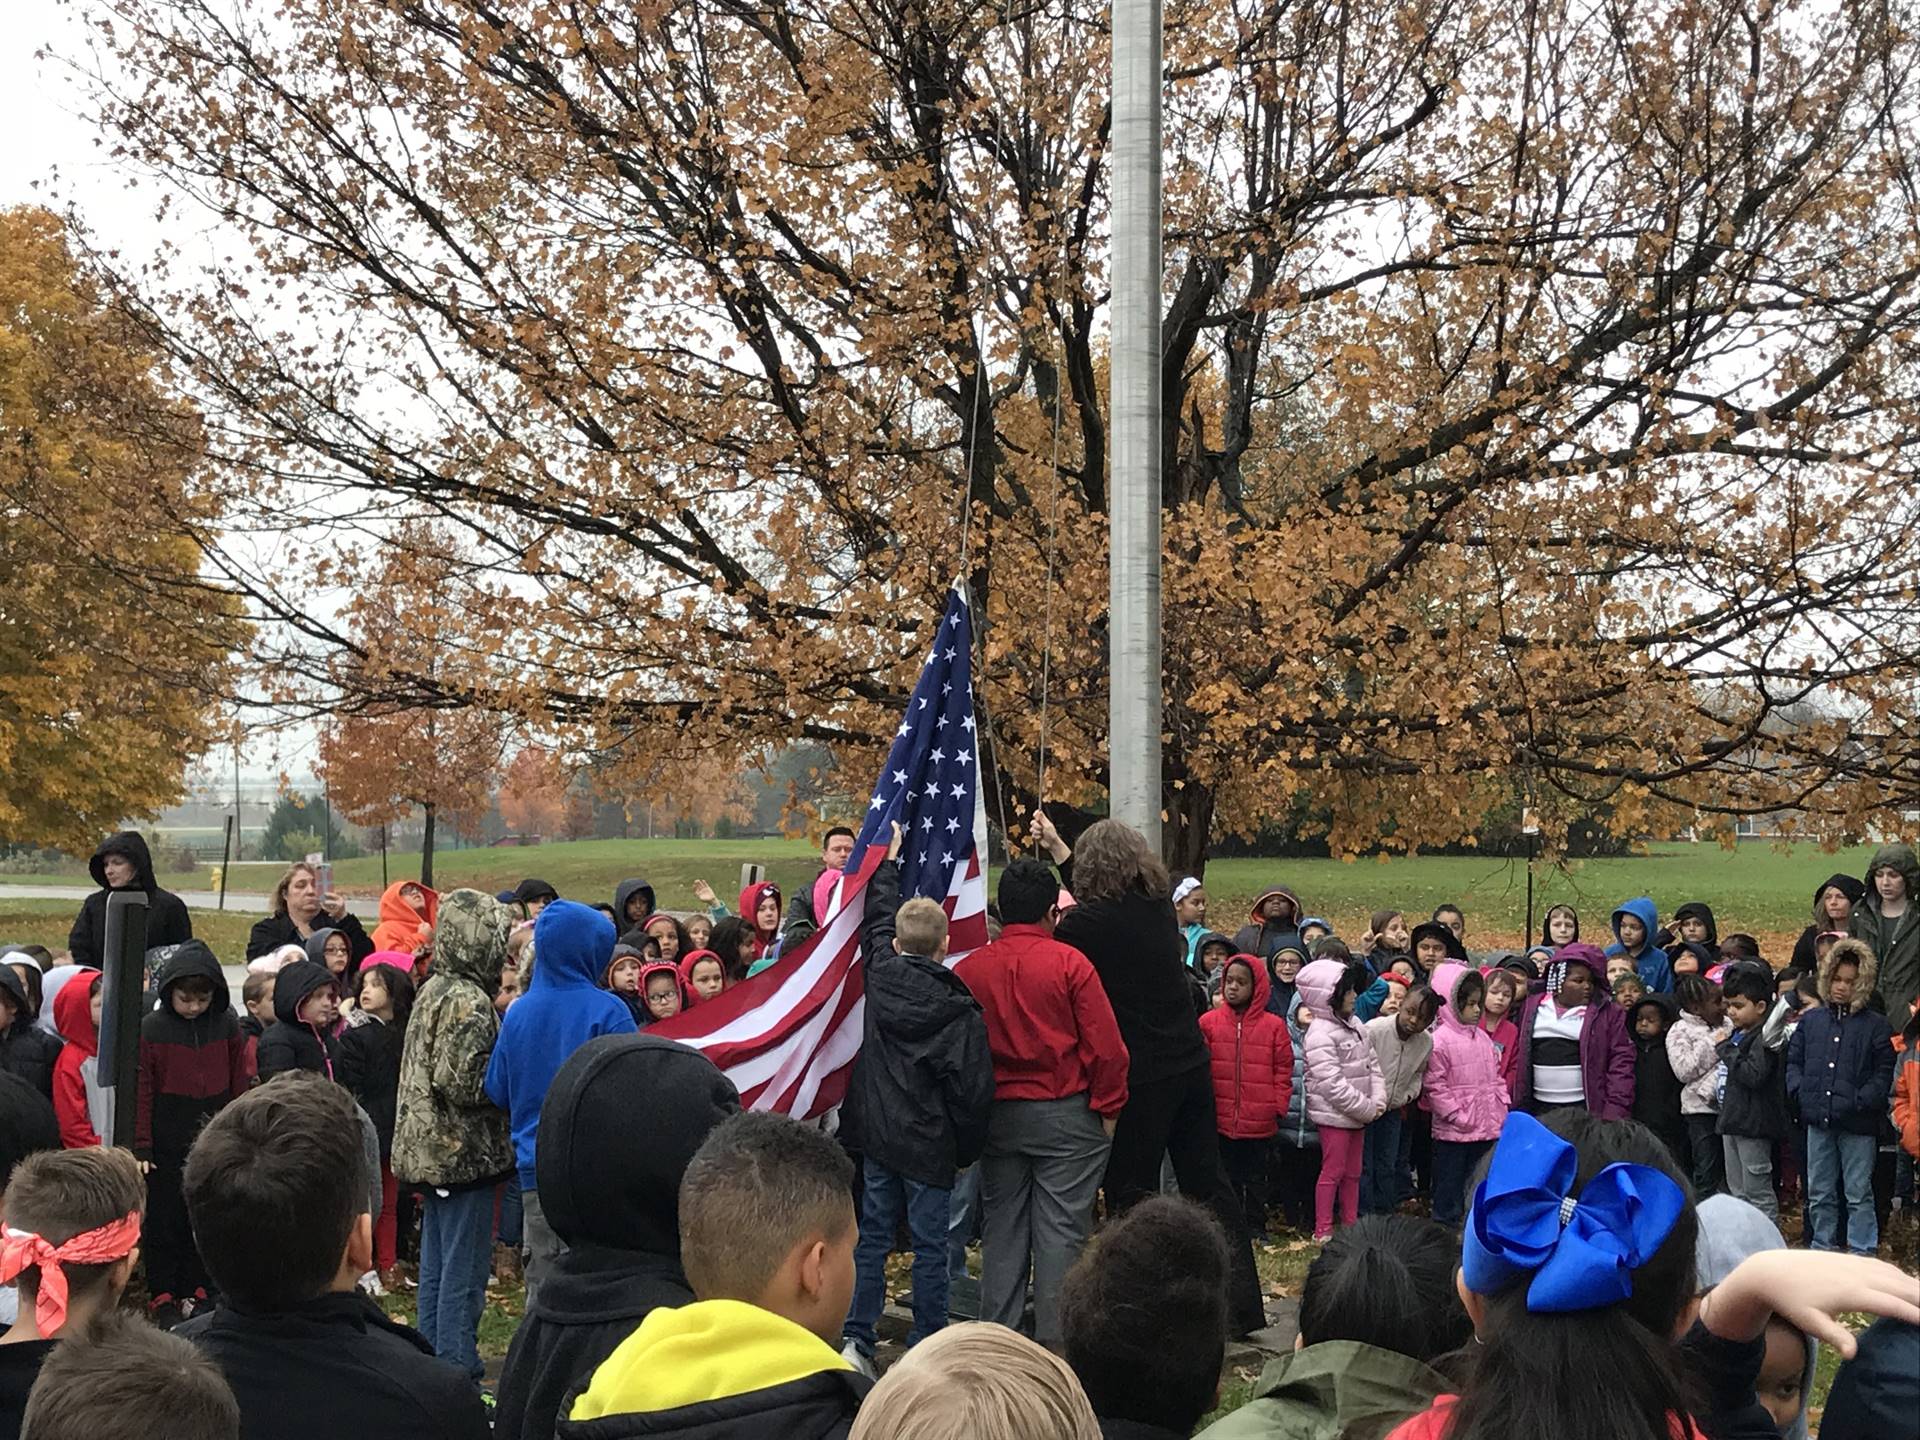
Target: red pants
386, 1228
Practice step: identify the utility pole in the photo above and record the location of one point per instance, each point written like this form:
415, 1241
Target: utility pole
1133, 657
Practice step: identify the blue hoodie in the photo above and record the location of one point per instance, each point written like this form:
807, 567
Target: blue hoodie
564, 1007
1655, 971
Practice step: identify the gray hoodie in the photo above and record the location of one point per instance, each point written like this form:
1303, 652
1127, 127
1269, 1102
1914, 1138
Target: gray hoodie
1730, 1231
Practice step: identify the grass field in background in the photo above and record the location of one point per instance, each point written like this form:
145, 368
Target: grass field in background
1757, 887
46, 922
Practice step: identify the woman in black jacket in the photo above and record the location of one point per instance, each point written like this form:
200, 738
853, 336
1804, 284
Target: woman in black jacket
1833, 906
1123, 922
299, 909
123, 862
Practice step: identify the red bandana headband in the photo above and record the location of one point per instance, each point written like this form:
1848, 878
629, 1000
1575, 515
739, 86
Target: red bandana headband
19, 1250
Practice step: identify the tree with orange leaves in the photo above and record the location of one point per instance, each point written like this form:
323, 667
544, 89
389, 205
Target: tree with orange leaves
114, 650
533, 796
383, 759
1539, 400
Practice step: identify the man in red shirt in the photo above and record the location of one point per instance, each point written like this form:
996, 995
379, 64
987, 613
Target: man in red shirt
1060, 1081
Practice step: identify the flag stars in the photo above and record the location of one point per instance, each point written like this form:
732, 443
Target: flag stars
953, 824
878, 803
899, 777
959, 792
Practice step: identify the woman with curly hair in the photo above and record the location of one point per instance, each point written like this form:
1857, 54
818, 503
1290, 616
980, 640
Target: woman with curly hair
1123, 921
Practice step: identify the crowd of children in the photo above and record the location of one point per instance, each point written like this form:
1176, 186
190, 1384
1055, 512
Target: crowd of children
1406, 1061
693, 1270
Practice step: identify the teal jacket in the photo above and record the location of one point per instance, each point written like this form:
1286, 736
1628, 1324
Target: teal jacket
1336, 1390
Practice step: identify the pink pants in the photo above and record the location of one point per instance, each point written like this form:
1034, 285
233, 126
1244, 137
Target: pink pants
1340, 1154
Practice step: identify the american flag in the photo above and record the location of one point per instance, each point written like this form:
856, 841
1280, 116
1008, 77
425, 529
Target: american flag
788, 1037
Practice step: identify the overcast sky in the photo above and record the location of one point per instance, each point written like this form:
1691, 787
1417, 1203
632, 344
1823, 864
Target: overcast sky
51, 158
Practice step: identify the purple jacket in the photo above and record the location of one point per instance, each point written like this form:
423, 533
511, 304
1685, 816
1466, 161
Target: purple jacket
1606, 1059
1465, 1090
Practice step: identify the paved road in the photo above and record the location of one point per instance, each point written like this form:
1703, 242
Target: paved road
237, 902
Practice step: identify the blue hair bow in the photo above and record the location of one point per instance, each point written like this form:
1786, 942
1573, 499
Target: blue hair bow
1581, 1253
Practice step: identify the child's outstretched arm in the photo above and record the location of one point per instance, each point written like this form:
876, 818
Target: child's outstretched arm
882, 904
1808, 1289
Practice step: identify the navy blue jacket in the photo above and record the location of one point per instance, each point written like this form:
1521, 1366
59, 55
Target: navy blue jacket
1840, 1068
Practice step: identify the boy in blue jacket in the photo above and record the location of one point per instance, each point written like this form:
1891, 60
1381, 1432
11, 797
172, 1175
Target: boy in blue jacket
1633, 929
1840, 1070
564, 1007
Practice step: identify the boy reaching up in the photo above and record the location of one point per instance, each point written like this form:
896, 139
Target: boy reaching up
921, 1096
766, 1238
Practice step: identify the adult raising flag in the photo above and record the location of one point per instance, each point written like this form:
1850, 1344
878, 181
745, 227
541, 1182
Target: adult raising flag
788, 1037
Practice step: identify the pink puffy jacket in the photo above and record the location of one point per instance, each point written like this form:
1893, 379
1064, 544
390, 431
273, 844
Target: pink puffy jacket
1465, 1089
1345, 1089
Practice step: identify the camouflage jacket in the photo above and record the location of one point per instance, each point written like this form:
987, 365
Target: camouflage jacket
448, 1134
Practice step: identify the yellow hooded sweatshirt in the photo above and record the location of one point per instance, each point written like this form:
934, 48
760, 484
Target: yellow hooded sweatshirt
710, 1350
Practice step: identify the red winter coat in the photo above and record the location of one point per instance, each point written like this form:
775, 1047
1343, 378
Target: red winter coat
1252, 1062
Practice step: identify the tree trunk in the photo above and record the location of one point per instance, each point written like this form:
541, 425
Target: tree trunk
426, 850
1183, 841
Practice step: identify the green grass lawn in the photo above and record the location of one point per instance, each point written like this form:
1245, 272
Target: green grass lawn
1757, 887
46, 922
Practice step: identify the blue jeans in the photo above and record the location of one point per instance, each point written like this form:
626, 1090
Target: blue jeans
1380, 1167
929, 1211
1453, 1162
964, 1221
456, 1255
1840, 1171
508, 1230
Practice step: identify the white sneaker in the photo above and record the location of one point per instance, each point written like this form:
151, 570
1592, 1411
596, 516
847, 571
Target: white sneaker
859, 1359
370, 1284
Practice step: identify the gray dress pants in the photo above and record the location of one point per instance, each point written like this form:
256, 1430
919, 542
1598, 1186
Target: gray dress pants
1039, 1176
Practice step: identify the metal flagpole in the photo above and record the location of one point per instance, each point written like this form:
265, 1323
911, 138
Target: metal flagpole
1133, 738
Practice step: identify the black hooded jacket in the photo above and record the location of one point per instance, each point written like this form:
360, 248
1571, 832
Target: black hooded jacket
188, 1068
27, 1124
1703, 912
624, 892
25, 1049
167, 920
1656, 1089
332, 1367
923, 1084
290, 1043
610, 1188
369, 1060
